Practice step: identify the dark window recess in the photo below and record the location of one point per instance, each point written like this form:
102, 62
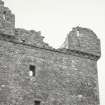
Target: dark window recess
32, 70
37, 102
4, 12
23, 40
4, 15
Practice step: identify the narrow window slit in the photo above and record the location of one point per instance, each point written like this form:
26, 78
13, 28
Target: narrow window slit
4, 15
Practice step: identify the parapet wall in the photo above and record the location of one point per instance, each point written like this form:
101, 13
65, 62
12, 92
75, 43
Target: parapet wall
80, 41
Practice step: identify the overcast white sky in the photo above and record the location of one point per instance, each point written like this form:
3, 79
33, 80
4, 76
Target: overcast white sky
55, 18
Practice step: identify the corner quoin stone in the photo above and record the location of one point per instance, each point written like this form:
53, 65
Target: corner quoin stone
34, 73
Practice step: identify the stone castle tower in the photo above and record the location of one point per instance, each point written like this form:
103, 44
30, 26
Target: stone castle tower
33, 73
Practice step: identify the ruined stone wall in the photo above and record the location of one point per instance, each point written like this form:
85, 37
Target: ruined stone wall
60, 79
64, 76
31, 37
7, 20
83, 39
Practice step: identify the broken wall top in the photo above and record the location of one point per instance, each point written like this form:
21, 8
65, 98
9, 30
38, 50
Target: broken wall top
84, 40
7, 20
30, 37
7, 27
80, 41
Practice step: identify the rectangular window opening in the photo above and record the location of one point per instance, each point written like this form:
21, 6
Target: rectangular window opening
32, 70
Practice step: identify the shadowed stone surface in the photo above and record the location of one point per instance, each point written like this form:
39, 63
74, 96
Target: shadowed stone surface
64, 76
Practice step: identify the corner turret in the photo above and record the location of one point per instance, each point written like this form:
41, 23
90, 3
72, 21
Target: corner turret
83, 40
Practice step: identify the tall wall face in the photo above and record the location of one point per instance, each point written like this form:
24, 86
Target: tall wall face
59, 78
33, 73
